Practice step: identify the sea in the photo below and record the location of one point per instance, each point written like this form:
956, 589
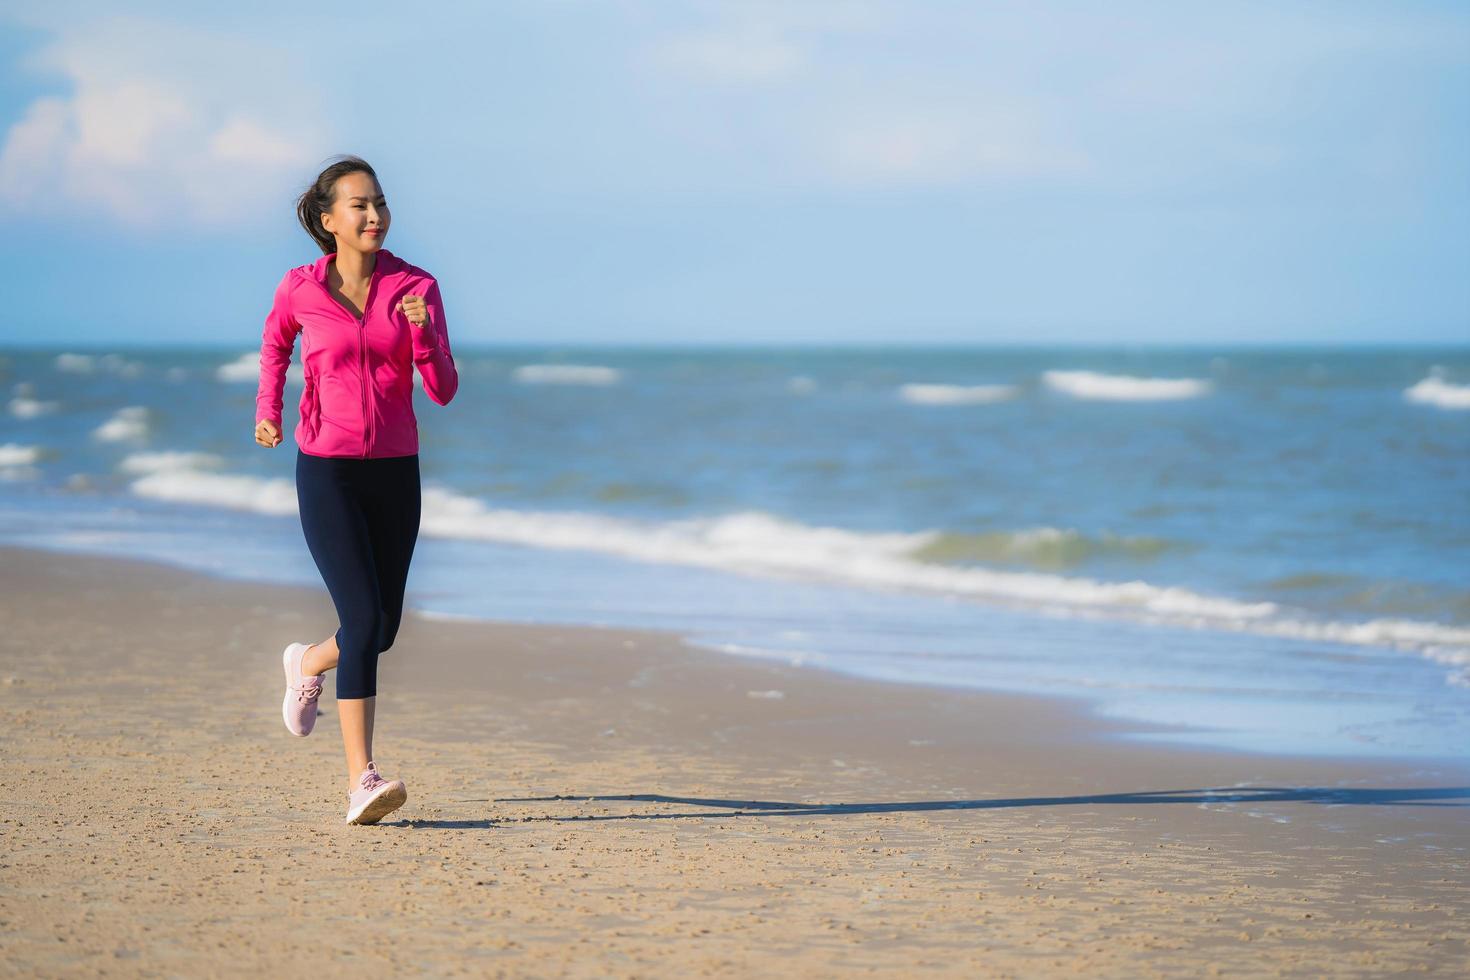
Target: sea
1259, 550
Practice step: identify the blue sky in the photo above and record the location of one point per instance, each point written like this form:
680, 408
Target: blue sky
753, 172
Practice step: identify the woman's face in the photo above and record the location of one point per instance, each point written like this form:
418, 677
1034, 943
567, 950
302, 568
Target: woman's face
359, 215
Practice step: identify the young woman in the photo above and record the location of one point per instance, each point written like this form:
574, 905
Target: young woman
366, 318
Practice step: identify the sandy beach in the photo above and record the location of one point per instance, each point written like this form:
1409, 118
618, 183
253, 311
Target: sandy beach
601, 802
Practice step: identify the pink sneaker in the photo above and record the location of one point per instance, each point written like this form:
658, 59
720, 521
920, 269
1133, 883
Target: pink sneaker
375, 797
299, 705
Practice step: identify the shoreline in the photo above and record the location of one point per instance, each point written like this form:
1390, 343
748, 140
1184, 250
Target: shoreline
611, 801
1119, 727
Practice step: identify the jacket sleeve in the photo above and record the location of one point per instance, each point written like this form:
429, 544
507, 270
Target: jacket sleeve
431, 350
277, 342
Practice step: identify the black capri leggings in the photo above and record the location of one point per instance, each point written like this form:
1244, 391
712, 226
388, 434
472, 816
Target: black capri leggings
361, 520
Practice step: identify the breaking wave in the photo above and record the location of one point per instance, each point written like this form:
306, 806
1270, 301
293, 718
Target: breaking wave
1121, 387
938, 394
761, 544
1436, 391
566, 374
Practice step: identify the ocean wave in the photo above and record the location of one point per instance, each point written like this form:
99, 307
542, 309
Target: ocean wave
163, 461
246, 368
1436, 391
275, 495
801, 384
1376, 596
941, 394
14, 454
756, 542
1302, 581
1121, 387
92, 363
126, 424
1043, 547
24, 407
753, 542
566, 374
761, 544
16, 462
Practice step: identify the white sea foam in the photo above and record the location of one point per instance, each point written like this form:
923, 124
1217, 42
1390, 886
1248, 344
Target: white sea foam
16, 460
1438, 392
91, 363
246, 368
756, 543
163, 461
446, 617
14, 454
118, 364
796, 658
801, 384
760, 544
126, 424
76, 363
566, 374
28, 408
275, 495
940, 394
1122, 387
1041, 546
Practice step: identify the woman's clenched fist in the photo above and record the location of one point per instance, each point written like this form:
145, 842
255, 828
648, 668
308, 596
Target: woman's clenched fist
415, 309
266, 434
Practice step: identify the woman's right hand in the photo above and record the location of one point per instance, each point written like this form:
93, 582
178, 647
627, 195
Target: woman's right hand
266, 434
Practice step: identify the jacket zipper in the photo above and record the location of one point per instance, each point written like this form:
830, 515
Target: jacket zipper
361, 324
362, 347
367, 381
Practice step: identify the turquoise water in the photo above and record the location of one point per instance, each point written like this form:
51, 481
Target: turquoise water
1268, 545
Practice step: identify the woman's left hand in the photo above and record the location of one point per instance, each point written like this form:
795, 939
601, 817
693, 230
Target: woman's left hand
415, 309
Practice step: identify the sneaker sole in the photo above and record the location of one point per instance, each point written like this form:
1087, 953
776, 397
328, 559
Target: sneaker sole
388, 799
286, 702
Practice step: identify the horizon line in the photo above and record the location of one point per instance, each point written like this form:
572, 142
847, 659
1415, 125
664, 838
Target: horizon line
853, 345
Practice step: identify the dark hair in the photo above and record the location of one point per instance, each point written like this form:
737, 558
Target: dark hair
319, 196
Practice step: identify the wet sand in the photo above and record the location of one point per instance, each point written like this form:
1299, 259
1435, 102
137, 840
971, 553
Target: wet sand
606, 802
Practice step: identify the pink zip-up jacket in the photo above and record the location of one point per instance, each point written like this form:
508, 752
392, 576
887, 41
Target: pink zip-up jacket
358, 394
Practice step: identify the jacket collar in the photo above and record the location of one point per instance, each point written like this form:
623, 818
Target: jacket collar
387, 262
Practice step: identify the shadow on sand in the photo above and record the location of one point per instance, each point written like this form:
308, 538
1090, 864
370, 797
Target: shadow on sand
1336, 796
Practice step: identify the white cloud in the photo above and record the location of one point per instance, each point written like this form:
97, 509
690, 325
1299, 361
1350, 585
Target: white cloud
933, 143
163, 122
760, 41
851, 107
743, 58
876, 94
244, 140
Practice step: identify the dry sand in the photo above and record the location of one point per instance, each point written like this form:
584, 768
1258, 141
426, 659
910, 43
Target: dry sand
600, 802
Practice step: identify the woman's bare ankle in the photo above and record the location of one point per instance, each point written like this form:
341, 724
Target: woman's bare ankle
306, 662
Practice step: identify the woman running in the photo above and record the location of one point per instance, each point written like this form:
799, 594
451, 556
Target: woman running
365, 317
